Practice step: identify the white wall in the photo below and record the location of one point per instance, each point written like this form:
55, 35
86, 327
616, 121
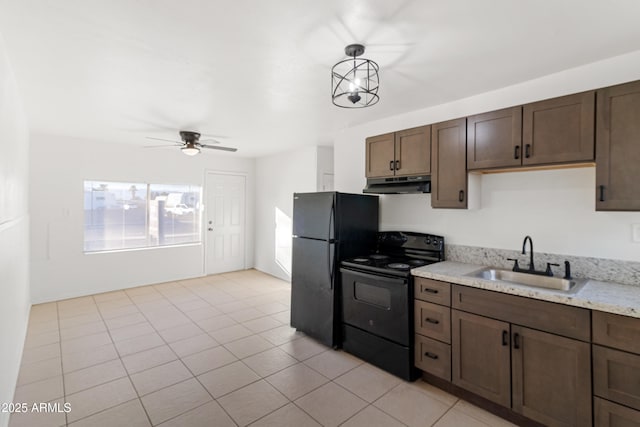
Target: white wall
557, 208
59, 165
325, 166
14, 231
277, 178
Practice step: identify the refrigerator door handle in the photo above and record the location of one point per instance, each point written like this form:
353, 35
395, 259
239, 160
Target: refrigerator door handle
332, 222
330, 242
330, 264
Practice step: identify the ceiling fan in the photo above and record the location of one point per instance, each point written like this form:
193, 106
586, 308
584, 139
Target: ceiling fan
191, 143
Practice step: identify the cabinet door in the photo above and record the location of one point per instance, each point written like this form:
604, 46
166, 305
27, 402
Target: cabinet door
481, 356
618, 148
494, 139
449, 164
559, 130
413, 151
380, 160
551, 377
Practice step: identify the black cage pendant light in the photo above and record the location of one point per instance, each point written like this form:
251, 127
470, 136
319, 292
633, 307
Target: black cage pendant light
355, 81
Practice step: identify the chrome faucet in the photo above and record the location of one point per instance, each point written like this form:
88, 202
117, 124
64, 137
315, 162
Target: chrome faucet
524, 246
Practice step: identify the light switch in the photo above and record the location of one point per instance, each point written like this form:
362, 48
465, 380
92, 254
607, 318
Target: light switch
635, 233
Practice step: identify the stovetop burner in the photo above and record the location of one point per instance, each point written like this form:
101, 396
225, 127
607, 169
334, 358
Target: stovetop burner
378, 256
398, 265
360, 259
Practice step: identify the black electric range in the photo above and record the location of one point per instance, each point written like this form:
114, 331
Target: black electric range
377, 299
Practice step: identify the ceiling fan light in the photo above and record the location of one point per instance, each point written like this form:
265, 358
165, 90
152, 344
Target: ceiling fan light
190, 150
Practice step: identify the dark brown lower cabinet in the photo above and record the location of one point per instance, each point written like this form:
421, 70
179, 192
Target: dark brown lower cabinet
542, 376
551, 378
609, 414
481, 356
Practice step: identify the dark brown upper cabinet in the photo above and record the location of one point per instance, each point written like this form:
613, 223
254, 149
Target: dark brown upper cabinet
494, 140
549, 132
618, 148
449, 164
380, 156
413, 151
559, 130
403, 153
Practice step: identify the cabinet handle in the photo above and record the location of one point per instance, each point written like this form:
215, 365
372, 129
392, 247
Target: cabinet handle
430, 320
390, 165
602, 193
397, 165
461, 196
431, 355
429, 290
527, 151
516, 152
505, 338
516, 340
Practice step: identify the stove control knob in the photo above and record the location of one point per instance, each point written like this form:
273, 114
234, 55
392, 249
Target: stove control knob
428, 241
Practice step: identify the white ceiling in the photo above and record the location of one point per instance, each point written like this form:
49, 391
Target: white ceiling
258, 71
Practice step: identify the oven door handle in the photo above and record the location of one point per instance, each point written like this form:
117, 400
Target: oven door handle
394, 280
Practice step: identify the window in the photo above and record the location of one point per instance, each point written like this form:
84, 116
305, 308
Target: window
119, 215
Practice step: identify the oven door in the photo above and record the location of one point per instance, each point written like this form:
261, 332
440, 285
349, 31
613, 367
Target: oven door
377, 304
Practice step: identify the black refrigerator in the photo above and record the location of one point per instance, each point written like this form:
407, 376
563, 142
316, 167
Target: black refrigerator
327, 227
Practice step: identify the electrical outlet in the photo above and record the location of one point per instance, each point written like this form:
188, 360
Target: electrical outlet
635, 233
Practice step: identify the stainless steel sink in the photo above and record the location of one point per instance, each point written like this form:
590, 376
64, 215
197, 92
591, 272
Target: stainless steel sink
557, 283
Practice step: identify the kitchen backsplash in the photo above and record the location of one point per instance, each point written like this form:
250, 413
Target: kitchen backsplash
608, 270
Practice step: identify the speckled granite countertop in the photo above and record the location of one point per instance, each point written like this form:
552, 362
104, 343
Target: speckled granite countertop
595, 295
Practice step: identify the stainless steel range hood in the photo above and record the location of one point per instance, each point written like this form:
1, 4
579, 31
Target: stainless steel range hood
399, 185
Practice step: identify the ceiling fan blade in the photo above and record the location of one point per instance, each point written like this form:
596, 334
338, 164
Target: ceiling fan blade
163, 145
212, 135
210, 140
215, 147
163, 139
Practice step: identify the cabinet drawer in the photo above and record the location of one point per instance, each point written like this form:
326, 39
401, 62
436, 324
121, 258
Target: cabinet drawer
433, 291
616, 331
609, 414
559, 319
616, 376
433, 357
433, 320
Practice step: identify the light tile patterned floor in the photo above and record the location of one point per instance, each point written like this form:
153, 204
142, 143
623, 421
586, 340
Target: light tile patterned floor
213, 351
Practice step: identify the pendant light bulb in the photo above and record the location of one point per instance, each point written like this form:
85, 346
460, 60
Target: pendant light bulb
354, 85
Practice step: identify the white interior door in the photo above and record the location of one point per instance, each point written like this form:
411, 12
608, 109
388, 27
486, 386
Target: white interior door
225, 223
